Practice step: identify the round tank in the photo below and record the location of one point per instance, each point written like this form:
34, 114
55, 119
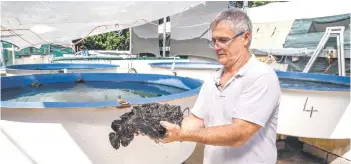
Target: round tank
308, 100
127, 63
312, 105
66, 118
199, 70
27, 69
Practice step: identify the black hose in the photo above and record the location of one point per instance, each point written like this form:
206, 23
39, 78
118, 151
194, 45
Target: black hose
187, 108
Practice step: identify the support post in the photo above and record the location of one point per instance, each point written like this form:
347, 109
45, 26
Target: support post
2, 58
341, 53
13, 55
130, 41
245, 6
48, 50
164, 37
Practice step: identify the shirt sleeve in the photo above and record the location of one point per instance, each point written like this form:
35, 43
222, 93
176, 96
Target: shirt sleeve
258, 100
199, 109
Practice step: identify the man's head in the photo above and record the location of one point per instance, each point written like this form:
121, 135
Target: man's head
231, 36
82, 48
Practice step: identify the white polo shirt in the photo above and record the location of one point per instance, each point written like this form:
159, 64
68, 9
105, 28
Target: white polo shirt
253, 94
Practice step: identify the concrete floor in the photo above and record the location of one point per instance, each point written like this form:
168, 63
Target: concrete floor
291, 154
197, 156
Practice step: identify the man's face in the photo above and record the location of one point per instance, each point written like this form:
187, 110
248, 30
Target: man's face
227, 48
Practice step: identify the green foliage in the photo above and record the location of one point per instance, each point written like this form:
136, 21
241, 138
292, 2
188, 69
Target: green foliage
240, 4
258, 3
115, 40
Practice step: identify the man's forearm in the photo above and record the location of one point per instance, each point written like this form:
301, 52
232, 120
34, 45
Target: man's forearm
225, 135
191, 122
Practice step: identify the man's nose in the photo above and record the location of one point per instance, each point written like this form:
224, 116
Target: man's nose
216, 48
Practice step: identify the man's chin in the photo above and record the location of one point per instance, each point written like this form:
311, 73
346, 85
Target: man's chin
222, 61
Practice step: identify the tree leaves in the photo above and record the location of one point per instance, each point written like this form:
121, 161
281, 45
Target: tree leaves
115, 40
240, 4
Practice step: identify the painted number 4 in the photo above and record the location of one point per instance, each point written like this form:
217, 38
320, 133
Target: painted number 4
310, 110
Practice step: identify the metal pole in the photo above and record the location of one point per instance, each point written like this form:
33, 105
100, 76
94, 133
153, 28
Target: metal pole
164, 38
245, 6
339, 56
2, 56
340, 41
13, 55
318, 50
130, 40
49, 49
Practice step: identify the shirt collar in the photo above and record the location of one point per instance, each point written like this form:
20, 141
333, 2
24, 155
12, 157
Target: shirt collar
240, 73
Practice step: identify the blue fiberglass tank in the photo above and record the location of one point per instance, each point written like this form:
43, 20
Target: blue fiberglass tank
308, 100
67, 117
198, 70
312, 105
27, 69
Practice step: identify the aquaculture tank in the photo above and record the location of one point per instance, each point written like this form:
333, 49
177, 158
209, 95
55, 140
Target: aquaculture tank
313, 104
127, 63
198, 70
27, 69
66, 118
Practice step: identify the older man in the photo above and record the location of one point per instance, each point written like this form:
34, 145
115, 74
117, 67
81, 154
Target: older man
235, 115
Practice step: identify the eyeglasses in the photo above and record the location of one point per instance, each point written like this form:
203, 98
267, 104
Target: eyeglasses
222, 42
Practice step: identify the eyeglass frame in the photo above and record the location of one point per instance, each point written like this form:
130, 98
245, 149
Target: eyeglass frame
214, 43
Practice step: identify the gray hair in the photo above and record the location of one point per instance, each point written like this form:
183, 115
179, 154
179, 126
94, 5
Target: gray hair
237, 18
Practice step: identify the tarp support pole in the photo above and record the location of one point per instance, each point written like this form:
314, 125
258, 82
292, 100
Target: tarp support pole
2, 57
13, 55
130, 40
245, 6
164, 38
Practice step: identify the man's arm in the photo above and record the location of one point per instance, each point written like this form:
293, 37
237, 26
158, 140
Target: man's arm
192, 122
235, 134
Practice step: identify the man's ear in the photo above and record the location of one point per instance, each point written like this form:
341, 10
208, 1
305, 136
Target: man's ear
246, 39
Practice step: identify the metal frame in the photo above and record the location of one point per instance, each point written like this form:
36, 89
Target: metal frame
164, 37
337, 32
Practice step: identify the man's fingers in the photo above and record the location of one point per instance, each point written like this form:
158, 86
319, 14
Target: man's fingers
155, 139
166, 124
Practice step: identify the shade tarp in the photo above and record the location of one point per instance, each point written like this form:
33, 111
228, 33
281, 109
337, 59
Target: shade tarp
270, 35
33, 23
145, 39
307, 33
272, 31
195, 22
189, 29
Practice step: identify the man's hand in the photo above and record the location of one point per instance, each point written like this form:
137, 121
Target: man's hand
190, 122
173, 132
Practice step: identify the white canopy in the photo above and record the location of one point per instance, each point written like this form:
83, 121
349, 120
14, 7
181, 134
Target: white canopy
271, 25
145, 39
195, 23
282, 11
34, 23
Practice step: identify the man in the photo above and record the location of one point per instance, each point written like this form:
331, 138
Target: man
84, 50
236, 112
